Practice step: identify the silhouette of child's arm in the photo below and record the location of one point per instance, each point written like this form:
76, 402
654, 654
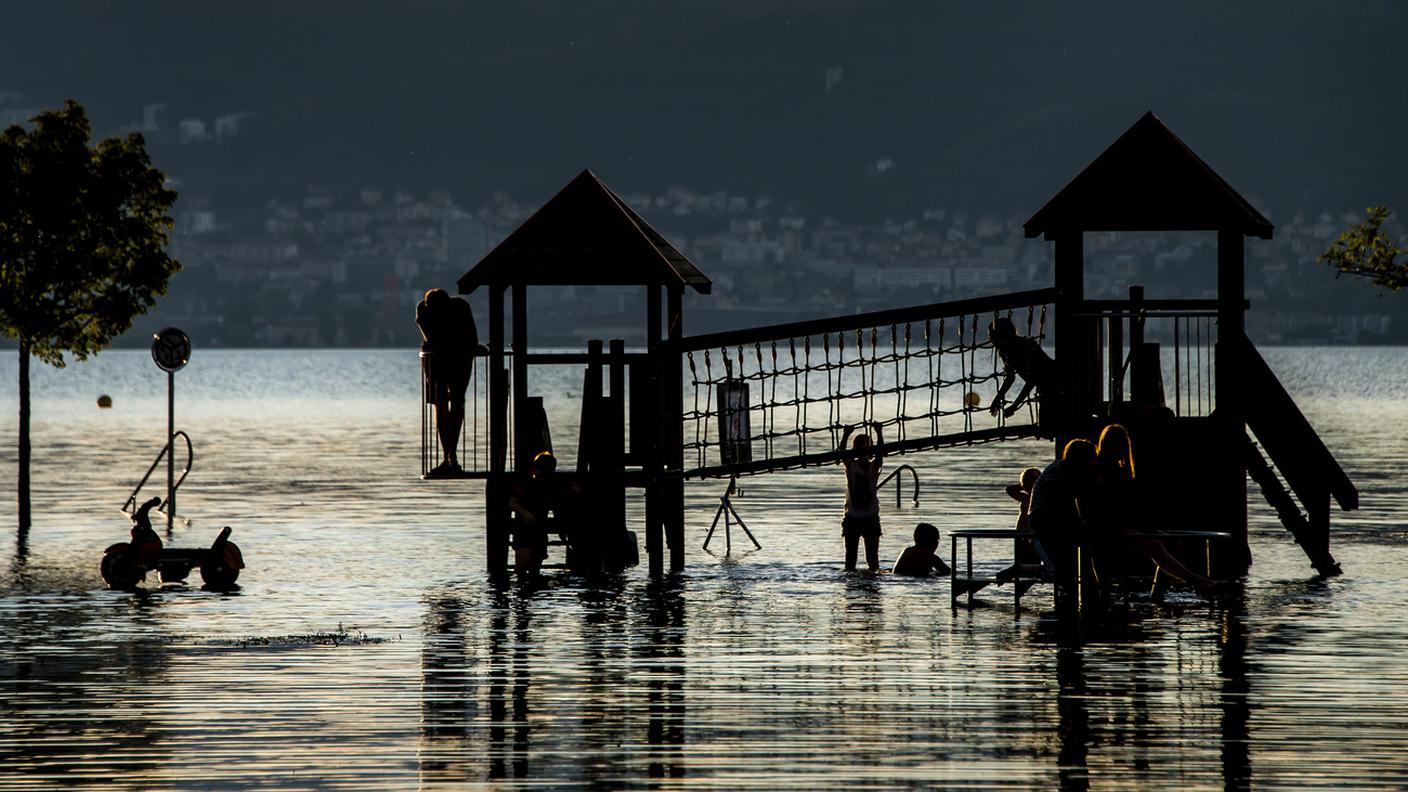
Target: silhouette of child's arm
1016, 493
1008, 377
1020, 400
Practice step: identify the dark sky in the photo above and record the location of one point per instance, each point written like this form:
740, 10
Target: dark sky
978, 105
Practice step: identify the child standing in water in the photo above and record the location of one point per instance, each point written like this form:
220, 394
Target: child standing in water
862, 518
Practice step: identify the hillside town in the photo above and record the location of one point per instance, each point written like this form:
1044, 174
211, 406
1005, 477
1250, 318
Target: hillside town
346, 269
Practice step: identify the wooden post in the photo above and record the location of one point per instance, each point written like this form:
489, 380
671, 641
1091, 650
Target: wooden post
614, 513
1072, 342
496, 484
589, 436
1115, 372
1136, 345
1231, 389
651, 462
523, 450
672, 382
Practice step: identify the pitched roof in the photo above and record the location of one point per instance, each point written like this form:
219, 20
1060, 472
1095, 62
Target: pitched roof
585, 235
1148, 180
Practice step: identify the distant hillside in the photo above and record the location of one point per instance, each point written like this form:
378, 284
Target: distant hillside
858, 108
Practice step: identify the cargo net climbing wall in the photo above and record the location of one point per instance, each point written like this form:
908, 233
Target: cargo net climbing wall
762, 404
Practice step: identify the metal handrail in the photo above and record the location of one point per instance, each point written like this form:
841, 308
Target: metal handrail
899, 488
131, 504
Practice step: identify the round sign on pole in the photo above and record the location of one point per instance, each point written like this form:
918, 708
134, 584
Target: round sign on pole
171, 349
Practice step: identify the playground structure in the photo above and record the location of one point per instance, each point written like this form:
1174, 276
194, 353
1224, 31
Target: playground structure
1180, 374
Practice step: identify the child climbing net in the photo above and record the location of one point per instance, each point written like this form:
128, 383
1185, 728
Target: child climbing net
778, 403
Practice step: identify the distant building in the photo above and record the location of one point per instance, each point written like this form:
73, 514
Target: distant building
191, 130
465, 239
154, 117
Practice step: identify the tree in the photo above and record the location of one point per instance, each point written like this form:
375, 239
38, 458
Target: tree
83, 234
1363, 250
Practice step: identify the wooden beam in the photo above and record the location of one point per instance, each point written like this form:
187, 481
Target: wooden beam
650, 466
672, 427
917, 313
496, 485
1072, 338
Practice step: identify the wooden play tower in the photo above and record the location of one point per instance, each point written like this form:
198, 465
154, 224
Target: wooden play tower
1180, 374
1197, 449
587, 236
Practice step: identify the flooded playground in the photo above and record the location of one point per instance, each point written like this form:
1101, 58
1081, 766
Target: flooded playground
365, 648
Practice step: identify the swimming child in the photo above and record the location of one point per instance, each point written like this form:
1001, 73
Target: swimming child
920, 559
862, 518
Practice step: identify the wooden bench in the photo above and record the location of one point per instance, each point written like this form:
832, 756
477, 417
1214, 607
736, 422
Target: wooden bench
967, 584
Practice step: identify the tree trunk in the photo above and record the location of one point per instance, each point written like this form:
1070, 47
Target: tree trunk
23, 477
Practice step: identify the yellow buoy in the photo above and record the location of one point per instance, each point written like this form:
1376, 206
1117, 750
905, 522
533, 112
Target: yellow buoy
105, 401
972, 399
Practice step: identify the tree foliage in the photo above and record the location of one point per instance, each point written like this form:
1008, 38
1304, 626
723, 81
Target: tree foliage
83, 235
1364, 251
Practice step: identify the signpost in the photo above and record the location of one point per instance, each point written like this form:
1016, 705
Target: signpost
171, 351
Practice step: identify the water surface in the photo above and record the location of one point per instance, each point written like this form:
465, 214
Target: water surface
366, 650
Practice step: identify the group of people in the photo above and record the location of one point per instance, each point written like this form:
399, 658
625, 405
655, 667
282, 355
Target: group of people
1085, 499
861, 521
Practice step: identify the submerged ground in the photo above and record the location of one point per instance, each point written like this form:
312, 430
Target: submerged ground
365, 648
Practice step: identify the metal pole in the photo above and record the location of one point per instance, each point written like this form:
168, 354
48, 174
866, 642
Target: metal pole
170, 450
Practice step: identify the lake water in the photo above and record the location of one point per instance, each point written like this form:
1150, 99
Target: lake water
366, 650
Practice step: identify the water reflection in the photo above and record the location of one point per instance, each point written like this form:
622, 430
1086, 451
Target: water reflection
1127, 688
1236, 696
84, 704
664, 657
508, 694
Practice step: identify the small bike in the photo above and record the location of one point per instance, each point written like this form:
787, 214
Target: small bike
126, 564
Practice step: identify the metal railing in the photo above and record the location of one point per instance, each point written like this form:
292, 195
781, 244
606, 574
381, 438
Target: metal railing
899, 484
472, 446
131, 505
1189, 327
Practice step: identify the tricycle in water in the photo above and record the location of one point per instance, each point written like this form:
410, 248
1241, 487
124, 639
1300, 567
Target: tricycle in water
126, 564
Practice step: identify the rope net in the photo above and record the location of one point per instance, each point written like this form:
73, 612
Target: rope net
780, 403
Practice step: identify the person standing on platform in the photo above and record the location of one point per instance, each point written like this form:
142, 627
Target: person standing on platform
450, 341
862, 518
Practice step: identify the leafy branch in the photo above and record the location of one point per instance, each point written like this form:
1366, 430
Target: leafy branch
1364, 251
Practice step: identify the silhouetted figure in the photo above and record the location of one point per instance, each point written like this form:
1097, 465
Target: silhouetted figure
451, 339
534, 503
1113, 510
1021, 357
1024, 555
1055, 505
921, 558
862, 518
